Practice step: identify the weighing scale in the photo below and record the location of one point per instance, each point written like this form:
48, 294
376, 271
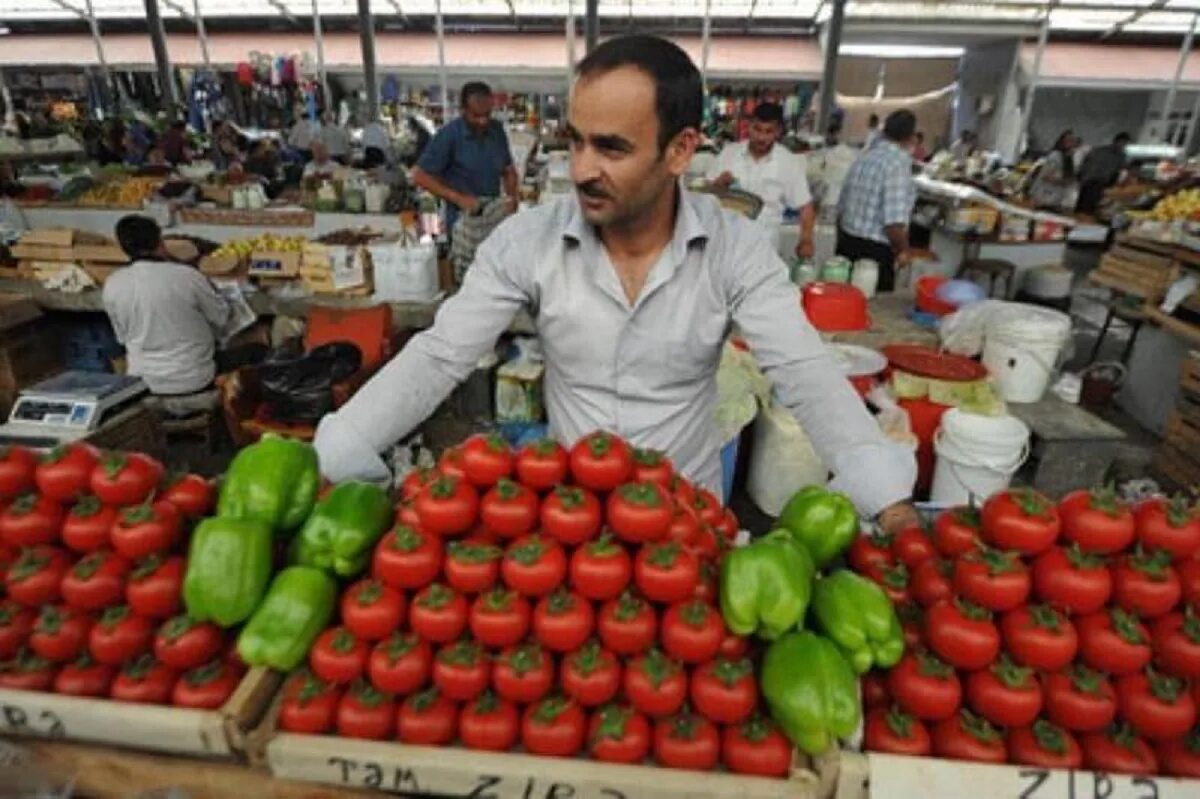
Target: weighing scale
68, 407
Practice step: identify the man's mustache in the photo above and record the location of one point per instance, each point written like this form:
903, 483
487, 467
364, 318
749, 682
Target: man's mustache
592, 189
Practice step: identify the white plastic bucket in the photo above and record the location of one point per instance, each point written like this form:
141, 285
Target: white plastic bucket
976, 455
1021, 349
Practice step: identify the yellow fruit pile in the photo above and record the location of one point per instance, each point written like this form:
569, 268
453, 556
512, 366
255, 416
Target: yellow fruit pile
239, 248
1181, 205
122, 193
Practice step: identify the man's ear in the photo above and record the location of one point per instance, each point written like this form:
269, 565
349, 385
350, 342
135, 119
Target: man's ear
681, 149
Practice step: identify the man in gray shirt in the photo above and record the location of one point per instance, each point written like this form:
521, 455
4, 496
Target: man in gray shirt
634, 285
166, 314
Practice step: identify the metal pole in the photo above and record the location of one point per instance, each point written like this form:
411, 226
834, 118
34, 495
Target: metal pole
1191, 137
705, 42
162, 60
6, 98
1169, 104
591, 24
570, 25
201, 34
1027, 110
441, 48
833, 43
319, 39
94, 27
366, 32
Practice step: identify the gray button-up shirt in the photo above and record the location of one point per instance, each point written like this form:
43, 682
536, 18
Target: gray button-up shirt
646, 371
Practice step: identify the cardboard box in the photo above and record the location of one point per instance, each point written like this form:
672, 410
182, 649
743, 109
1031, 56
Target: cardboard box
268, 263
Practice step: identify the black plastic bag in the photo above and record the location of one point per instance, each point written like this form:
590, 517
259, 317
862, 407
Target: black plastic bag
299, 388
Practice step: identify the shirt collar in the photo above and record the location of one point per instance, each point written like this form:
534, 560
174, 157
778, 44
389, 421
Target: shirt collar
688, 227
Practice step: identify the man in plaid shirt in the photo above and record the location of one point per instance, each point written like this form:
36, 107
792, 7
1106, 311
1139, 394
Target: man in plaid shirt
877, 200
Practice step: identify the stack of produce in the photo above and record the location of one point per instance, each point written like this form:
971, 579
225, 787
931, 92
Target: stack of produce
563, 601
123, 192
90, 559
1050, 636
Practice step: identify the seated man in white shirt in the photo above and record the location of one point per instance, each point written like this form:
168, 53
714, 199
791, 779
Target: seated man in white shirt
167, 314
322, 164
763, 167
335, 138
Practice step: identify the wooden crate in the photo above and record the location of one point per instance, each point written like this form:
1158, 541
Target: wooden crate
218, 734
1177, 460
1189, 379
1135, 272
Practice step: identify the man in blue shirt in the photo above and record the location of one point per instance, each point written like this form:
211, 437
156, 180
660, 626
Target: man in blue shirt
469, 157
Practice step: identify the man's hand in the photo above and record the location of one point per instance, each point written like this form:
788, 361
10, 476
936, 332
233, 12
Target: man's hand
510, 204
897, 517
903, 259
804, 248
468, 203
723, 181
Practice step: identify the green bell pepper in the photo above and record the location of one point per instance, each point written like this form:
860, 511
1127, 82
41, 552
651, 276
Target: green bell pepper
228, 568
297, 607
811, 690
823, 522
274, 481
766, 586
856, 614
341, 532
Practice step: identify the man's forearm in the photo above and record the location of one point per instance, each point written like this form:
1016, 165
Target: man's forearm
808, 218
440, 188
897, 236
511, 187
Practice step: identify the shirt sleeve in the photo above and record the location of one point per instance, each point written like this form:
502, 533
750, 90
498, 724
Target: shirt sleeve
899, 195
411, 386
112, 308
438, 153
214, 307
873, 471
798, 194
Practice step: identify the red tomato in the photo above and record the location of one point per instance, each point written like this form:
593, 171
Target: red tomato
724, 690
666, 572
993, 579
1079, 699
206, 687
1157, 706
618, 734
652, 466
448, 506
1145, 584
63, 473
438, 614
1189, 579
401, 664
121, 479
534, 565
416, 480
1005, 694
84, 677
16, 623
120, 635
509, 509
925, 686
1118, 751
523, 673
406, 514
682, 489
600, 569
451, 463
728, 525
686, 740
184, 644
655, 684
1176, 644
692, 631
874, 689
707, 507
145, 530
427, 719
756, 747
912, 547
95, 582
869, 553
35, 578
372, 610
338, 656
1170, 525
364, 712
472, 565
407, 559
563, 620
542, 464
957, 531
486, 459
931, 582
144, 680
461, 671
1072, 580
895, 732
553, 727
627, 625
1044, 745
1097, 521
1021, 520
912, 623
571, 515
86, 528
601, 461
499, 617
1113, 641
640, 512
489, 723
60, 634
1039, 637
27, 672
962, 634
966, 736
591, 675
155, 587
17, 465
31, 520
192, 494
1180, 757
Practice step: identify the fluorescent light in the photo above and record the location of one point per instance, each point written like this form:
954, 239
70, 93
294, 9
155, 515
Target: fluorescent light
4, 30
900, 51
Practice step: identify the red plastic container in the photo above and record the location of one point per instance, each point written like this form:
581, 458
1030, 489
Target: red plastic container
835, 307
925, 417
927, 299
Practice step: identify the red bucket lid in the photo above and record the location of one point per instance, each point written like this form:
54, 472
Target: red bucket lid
928, 362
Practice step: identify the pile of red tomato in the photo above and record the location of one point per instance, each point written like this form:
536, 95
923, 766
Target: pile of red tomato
1057, 636
559, 601
91, 580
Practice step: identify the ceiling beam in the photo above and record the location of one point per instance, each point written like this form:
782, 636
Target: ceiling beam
399, 10
284, 11
178, 9
1132, 18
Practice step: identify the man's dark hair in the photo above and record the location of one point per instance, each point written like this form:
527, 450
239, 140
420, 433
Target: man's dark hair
900, 125
678, 93
139, 236
475, 88
1122, 138
769, 112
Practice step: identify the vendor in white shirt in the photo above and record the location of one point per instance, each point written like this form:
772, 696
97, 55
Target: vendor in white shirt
334, 137
761, 166
322, 166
